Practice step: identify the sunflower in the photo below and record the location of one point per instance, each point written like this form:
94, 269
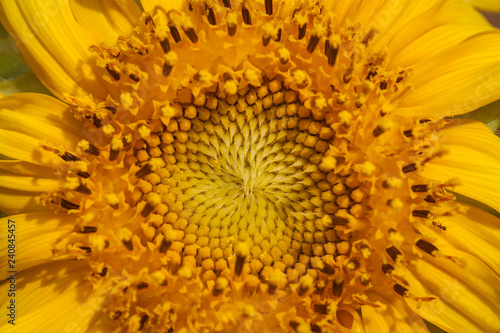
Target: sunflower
246, 166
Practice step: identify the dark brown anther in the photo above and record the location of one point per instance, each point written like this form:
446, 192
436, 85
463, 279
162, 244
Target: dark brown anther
371, 75
328, 269
144, 171
399, 79
68, 157
400, 290
83, 174
226, 76
393, 252
246, 15
238, 267
211, 15
378, 131
231, 29
68, 205
426, 247
353, 264
409, 168
423, 121
338, 286
111, 109
134, 77
364, 280
117, 315
421, 213
315, 328
114, 74
82, 188
369, 36
128, 244
266, 40
113, 154
302, 30
175, 33
167, 69
227, 3
383, 85
142, 285
278, 35
269, 7
87, 230
320, 308
103, 272
148, 209
271, 287
164, 246
346, 78
165, 45
96, 122
293, 324
313, 42
408, 133
86, 249
143, 322
387, 268
93, 150
331, 53
430, 199
420, 188
191, 33
339, 221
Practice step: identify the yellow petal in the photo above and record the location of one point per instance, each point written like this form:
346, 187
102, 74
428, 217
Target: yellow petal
456, 81
24, 147
486, 5
54, 297
17, 202
13, 181
26, 169
54, 39
468, 289
474, 157
33, 237
442, 27
149, 5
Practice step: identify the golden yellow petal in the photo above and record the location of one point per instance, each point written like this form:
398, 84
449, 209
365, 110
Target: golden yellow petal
486, 5
458, 80
149, 5
13, 181
24, 147
55, 298
54, 39
474, 157
32, 236
26, 169
17, 202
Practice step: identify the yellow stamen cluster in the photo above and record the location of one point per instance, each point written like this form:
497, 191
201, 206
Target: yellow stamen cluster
245, 178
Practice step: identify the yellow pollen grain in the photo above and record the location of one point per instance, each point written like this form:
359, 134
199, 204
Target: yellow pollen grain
168, 111
84, 145
345, 117
116, 144
108, 129
204, 76
386, 124
320, 103
367, 168
299, 76
328, 163
124, 234
284, 55
394, 182
98, 242
396, 204
171, 58
71, 183
126, 100
231, 87
144, 132
251, 75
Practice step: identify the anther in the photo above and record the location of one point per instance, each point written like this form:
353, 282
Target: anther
302, 30
220, 284
153, 201
408, 133
315, 328
313, 42
346, 78
400, 290
430, 199
306, 283
269, 7
103, 272
426, 247
96, 122
278, 35
165, 45
232, 23
241, 254
328, 269
331, 52
383, 85
191, 33
227, 3
83, 174
353, 264
421, 213
211, 15
165, 244
387, 268
68, 157
246, 15
86, 249
369, 37
320, 308
143, 322
68, 205
175, 33
111, 109
142, 285
113, 72
409, 168
338, 286
420, 188
274, 282
93, 150
144, 171
82, 188
87, 230
393, 252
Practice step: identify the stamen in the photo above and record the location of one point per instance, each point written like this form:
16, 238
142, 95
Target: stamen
220, 284
175, 33
165, 45
393, 252
302, 30
87, 230
338, 286
426, 247
421, 213
191, 33
269, 7
331, 51
113, 71
320, 308
68, 205
306, 283
241, 254
83, 174
400, 290
211, 15
313, 42
82, 188
227, 3
410, 168
68, 157
246, 15
387, 268
144, 320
